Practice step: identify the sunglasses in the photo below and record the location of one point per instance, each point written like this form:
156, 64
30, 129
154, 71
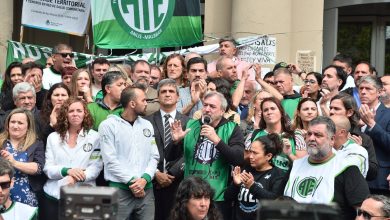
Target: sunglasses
311, 81
366, 215
65, 55
5, 185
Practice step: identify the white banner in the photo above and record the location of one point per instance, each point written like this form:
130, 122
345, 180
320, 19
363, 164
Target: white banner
262, 50
68, 16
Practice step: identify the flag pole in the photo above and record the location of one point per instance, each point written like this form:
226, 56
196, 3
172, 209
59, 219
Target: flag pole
21, 33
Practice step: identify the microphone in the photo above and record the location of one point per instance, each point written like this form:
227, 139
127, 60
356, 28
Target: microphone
206, 120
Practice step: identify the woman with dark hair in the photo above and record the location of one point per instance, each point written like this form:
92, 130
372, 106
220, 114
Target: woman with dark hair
194, 201
13, 75
72, 154
55, 98
26, 154
312, 86
222, 86
174, 68
345, 105
275, 120
262, 180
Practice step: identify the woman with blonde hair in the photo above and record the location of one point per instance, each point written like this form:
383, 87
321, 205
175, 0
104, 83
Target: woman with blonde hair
81, 85
26, 154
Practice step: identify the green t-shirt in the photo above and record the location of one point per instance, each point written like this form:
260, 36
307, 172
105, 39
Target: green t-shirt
99, 113
204, 160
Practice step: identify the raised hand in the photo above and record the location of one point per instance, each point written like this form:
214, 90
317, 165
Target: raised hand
177, 131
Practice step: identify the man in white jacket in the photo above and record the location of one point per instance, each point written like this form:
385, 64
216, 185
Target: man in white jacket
130, 156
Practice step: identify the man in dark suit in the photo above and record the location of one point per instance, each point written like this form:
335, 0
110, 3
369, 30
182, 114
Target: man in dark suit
170, 167
377, 125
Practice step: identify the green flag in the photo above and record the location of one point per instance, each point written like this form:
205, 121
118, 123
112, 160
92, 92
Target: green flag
145, 23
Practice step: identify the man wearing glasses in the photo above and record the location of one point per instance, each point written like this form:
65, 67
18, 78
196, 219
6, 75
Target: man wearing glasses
374, 207
62, 56
8, 208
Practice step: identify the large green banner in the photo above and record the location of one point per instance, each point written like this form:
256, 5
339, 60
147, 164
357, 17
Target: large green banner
119, 24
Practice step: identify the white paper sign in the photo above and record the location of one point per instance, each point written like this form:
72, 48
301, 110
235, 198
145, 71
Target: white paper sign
306, 60
69, 16
261, 51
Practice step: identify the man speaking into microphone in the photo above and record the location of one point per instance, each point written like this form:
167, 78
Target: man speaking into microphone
211, 145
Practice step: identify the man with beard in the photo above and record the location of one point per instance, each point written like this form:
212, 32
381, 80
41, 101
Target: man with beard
385, 96
333, 80
323, 176
345, 62
141, 75
191, 97
62, 56
130, 156
212, 145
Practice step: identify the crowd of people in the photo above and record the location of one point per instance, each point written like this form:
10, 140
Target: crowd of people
189, 139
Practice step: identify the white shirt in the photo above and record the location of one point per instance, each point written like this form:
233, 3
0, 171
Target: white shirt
85, 155
50, 78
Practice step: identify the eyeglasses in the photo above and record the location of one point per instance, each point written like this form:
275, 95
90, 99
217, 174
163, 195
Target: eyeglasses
5, 185
366, 215
311, 81
65, 55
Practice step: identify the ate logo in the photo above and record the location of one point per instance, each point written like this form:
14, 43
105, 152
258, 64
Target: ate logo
308, 186
206, 153
143, 19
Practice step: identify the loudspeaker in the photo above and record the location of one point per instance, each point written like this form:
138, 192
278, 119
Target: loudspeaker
278, 210
88, 203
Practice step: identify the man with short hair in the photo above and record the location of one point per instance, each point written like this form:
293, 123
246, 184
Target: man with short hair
249, 92
284, 84
155, 76
227, 47
377, 125
141, 75
113, 83
374, 207
352, 151
99, 67
33, 75
323, 176
385, 96
130, 156
333, 80
212, 145
169, 173
345, 62
190, 99
362, 69
12, 209
62, 56
24, 97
